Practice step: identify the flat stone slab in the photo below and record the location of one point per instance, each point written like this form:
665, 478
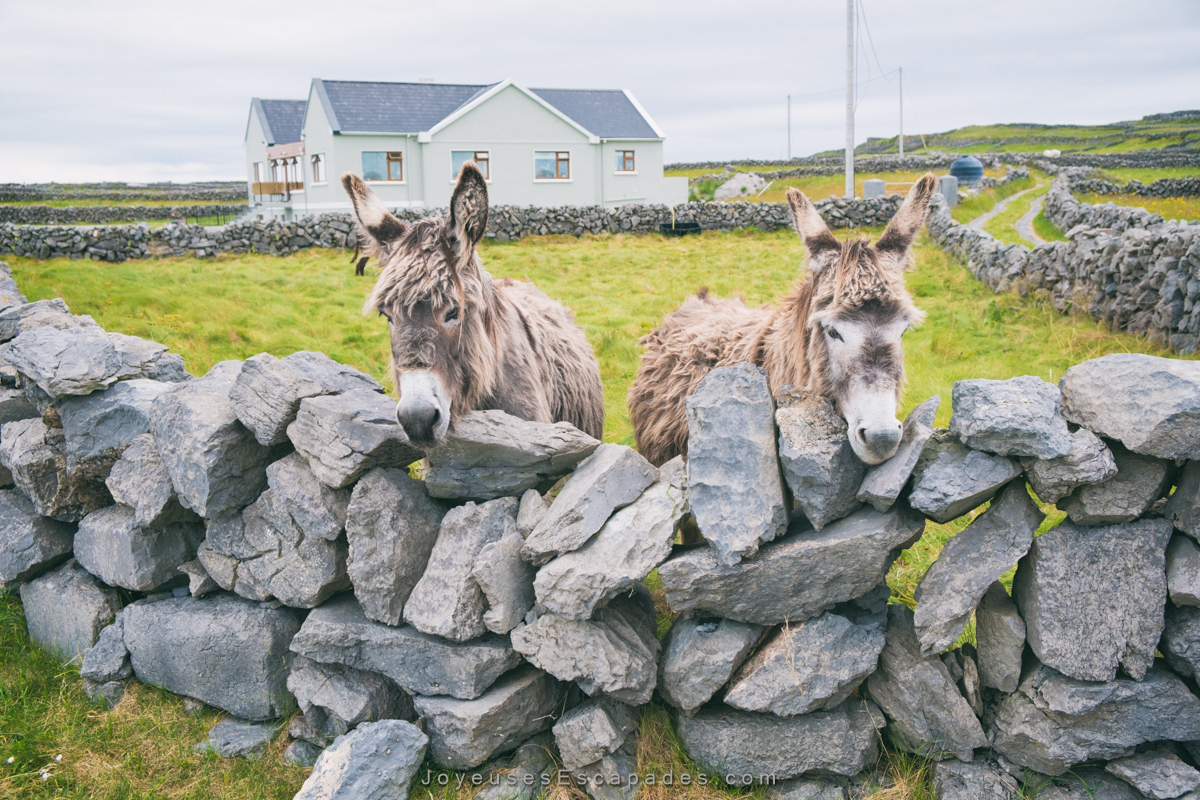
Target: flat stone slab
700, 655
631, 543
1157, 773
999, 639
1149, 404
108, 660
797, 577
226, 651
811, 666
592, 730
1183, 571
1091, 783
490, 454
533, 509
336, 699
234, 738
1089, 462
14, 406
99, 426
140, 480
15, 320
951, 479
1123, 497
110, 545
465, 733
1053, 722
884, 482
66, 610
339, 633
1180, 642
1016, 417
1093, 598
266, 395
30, 544
506, 580
927, 714
742, 748
981, 779
970, 562
391, 524
734, 487
819, 465
36, 457
377, 761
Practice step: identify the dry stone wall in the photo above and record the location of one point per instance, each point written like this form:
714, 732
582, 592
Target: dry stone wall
96, 215
252, 539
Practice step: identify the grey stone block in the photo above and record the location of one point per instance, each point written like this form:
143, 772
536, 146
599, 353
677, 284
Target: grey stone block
632, 542
927, 714
15, 320
533, 509
807, 789
231, 574
66, 609
797, 577
227, 535
592, 730
200, 582
224, 650
15, 406
465, 733
238, 738
316, 509
108, 660
609, 778
527, 768
734, 487
335, 699
1090, 461
884, 482
1157, 773
1091, 783
99, 426
377, 761
506, 580
447, 600
999, 639
1150, 404
610, 478
615, 654
1140, 480
811, 666
1053, 722
79, 361
950, 479
140, 480
1180, 642
30, 544
301, 753
391, 525
214, 462
490, 454
266, 395
1093, 598
111, 545
1016, 417
106, 694
1184, 506
981, 779
339, 633
743, 748
1183, 571
970, 562
344, 435
700, 655
819, 464
36, 456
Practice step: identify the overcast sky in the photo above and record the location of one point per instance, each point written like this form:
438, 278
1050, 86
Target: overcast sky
140, 91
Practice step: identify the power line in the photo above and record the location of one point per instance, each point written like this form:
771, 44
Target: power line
842, 88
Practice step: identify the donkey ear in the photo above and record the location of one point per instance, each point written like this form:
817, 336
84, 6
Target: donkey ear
900, 232
377, 227
469, 206
810, 226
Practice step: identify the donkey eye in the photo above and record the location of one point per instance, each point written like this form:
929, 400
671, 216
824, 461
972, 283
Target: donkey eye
833, 334
385, 314
451, 316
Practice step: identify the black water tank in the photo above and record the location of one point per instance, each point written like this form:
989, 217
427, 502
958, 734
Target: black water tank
967, 169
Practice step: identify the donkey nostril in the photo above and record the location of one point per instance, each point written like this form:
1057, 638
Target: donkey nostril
862, 434
435, 419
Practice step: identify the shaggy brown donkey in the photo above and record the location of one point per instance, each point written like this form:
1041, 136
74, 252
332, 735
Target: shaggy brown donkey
462, 340
837, 333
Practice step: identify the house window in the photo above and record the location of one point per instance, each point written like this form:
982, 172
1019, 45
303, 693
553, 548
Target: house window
625, 161
460, 157
551, 165
380, 166
318, 168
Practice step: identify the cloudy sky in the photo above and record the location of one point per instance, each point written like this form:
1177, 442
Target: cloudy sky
141, 91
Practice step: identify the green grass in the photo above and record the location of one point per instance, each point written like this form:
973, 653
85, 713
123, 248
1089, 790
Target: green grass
1003, 226
93, 202
969, 208
1184, 208
1147, 176
1046, 229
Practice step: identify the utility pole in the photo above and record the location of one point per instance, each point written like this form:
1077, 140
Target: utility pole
789, 127
902, 112
850, 99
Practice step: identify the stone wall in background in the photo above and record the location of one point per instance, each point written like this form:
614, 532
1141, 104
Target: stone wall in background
1163, 187
213, 192
98, 215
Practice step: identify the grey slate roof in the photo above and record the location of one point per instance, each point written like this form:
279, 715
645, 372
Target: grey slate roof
282, 120
605, 112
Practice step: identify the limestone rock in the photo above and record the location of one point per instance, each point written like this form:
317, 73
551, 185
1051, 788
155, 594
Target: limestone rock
234, 738
200, 582
819, 464
1093, 598
981, 779
301, 753
447, 600
884, 482
339, 633
214, 462
140, 480
999, 639
465, 733
316, 509
971, 562
335, 699
742, 747
99, 426
1016, 417
592, 730
226, 651
377, 761
506, 580
36, 456
110, 545
632, 542
1091, 783
1140, 480
15, 320
392, 525
15, 406
1156, 773
700, 655
797, 577
105, 694
230, 573
734, 487
30, 544
927, 714
490, 454
1180, 642
1183, 571
66, 609
532, 763
950, 479
609, 778
1184, 506
807, 788
533, 509
1089, 462
267, 393
108, 660
1150, 404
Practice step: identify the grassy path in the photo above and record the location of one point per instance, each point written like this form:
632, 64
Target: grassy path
984, 218
1025, 223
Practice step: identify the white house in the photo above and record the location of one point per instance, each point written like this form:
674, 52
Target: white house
543, 147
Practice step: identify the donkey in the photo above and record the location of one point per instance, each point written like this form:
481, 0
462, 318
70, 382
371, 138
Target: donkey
462, 340
836, 334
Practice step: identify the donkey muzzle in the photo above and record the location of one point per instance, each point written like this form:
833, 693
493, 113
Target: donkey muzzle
423, 413
878, 443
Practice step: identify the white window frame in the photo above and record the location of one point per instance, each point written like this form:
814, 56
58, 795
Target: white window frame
626, 171
488, 155
570, 157
324, 169
403, 167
